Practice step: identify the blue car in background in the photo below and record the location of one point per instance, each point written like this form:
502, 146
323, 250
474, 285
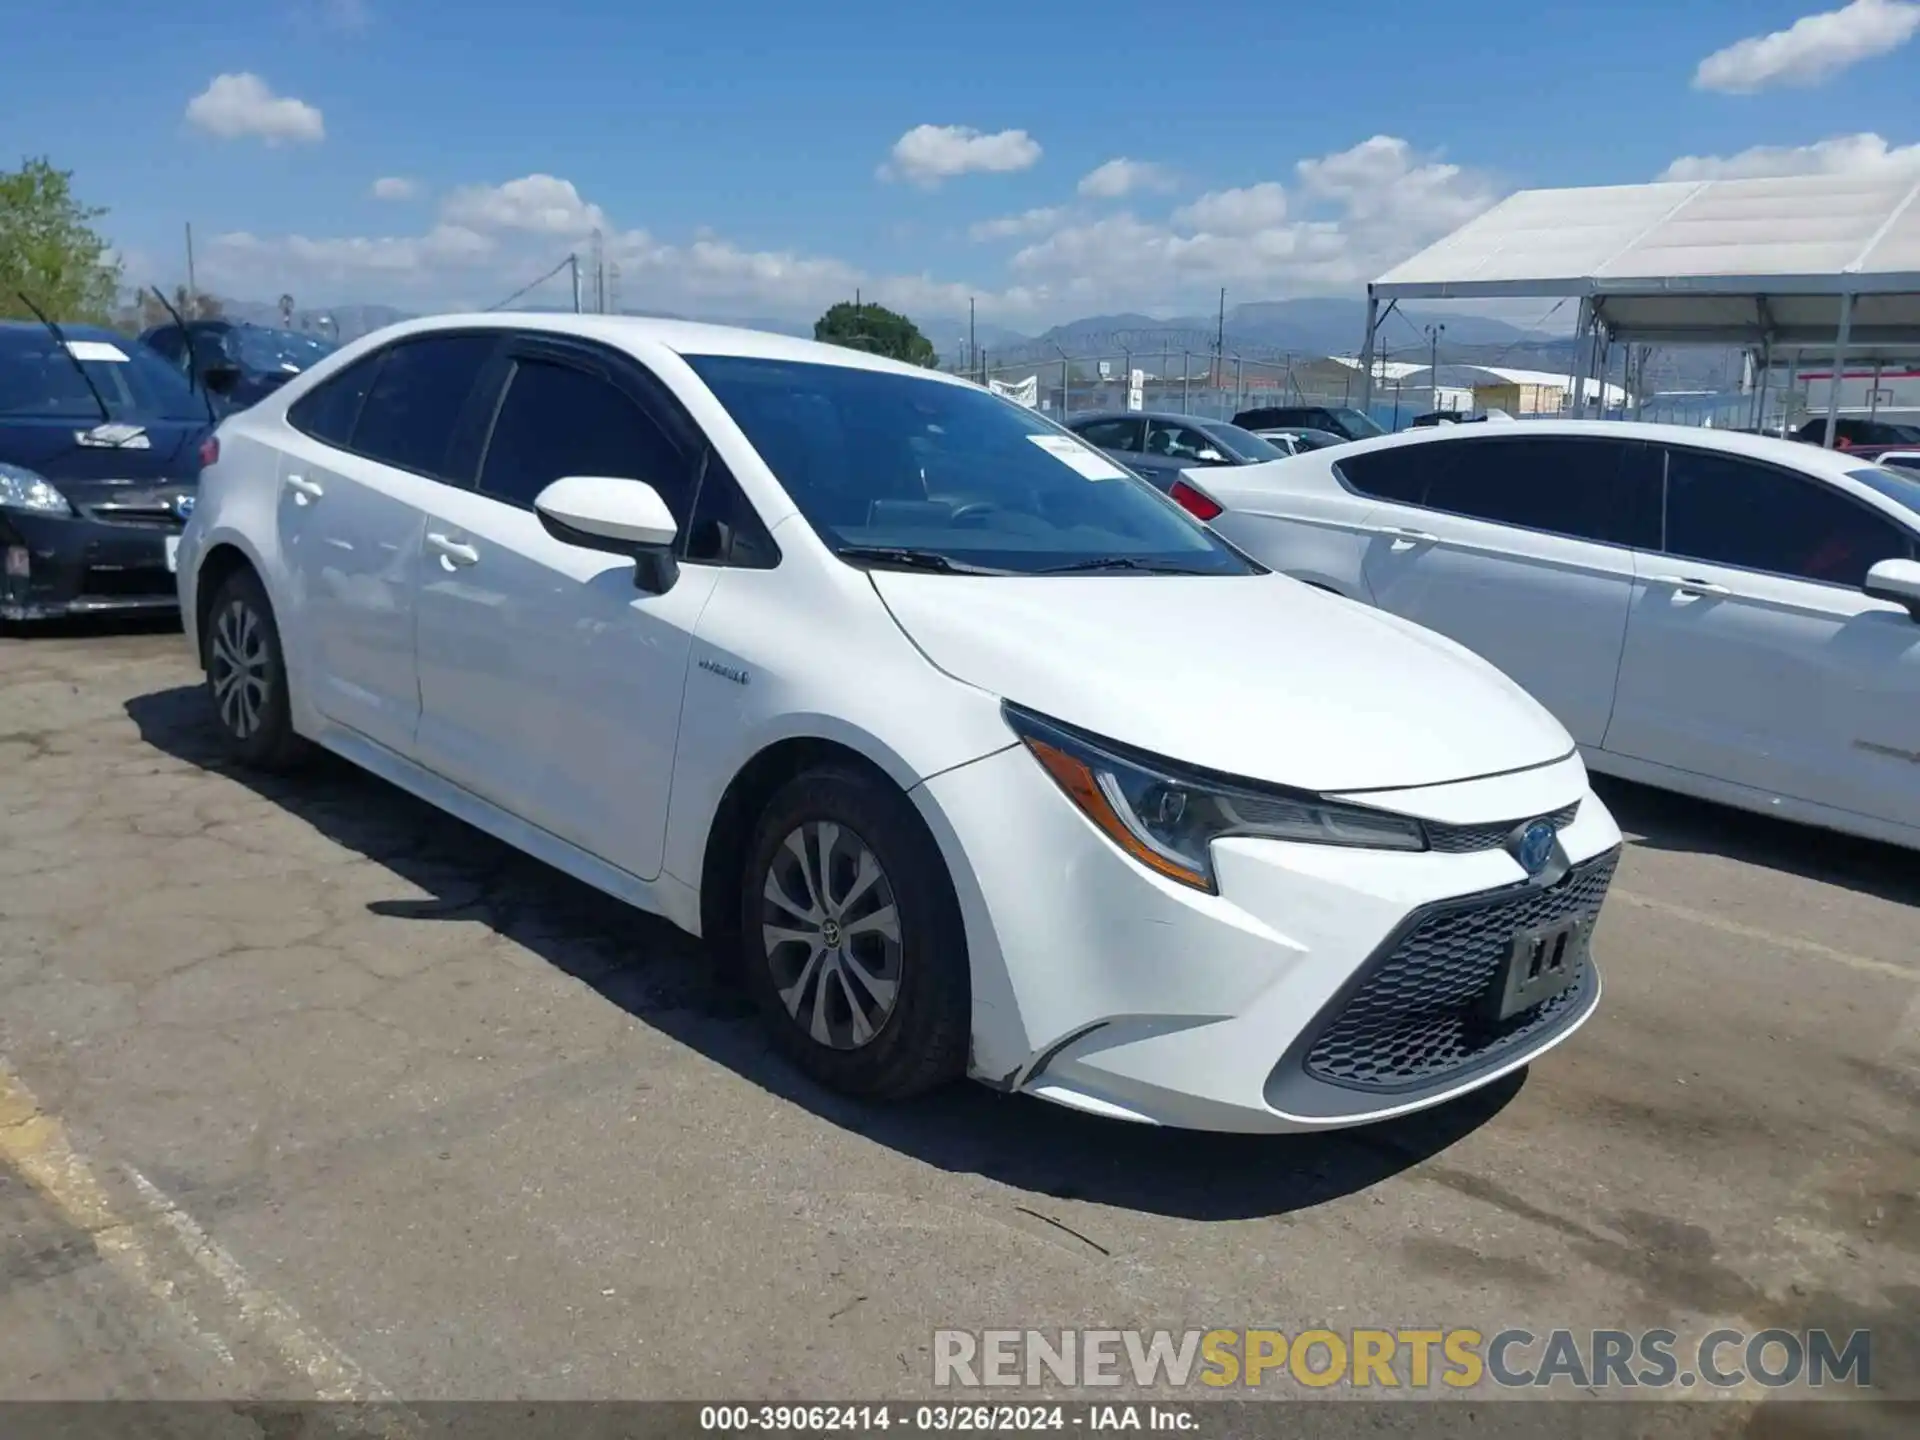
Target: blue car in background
237, 362
101, 447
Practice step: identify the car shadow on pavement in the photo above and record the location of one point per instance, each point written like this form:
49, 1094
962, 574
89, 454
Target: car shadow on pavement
1662, 820
666, 978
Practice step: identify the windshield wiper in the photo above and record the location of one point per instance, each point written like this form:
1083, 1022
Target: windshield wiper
907, 559
1121, 562
60, 340
186, 339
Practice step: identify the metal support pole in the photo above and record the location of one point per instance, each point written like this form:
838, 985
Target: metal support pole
1760, 391
1571, 401
1239, 388
1185, 382
1873, 395
1786, 396
1366, 351
1603, 369
573, 264
1839, 367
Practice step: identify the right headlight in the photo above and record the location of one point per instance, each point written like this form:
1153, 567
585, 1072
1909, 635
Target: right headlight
22, 489
1167, 817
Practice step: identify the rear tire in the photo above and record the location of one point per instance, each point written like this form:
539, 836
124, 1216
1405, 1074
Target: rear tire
247, 676
851, 940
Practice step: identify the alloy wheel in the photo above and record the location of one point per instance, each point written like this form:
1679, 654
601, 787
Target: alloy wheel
238, 668
832, 935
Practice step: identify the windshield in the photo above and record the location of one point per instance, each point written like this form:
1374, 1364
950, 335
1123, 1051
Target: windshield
1358, 424
286, 351
1244, 443
876, 460
38, 381
1900, 486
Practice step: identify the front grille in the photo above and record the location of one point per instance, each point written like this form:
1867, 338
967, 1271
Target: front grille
109, 584
1415, 1017
1463, 839
155, 515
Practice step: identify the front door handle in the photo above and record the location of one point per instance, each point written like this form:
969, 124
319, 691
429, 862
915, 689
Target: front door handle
305, 491
1686, 585
454, 552
1404, 539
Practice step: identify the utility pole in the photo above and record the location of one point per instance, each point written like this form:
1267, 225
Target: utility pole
972, 349
573, 264
599, 275
1220, 341
1434, 332
193, 291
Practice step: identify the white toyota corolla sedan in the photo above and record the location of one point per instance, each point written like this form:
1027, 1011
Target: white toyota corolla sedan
979, 754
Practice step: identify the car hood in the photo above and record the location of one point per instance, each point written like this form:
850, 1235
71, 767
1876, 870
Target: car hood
163, 452
1258, 676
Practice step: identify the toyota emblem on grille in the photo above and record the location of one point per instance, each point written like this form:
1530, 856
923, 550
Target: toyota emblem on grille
183, 506
1532, 846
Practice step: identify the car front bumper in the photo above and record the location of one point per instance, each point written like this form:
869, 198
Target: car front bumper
1322, 987
57, 565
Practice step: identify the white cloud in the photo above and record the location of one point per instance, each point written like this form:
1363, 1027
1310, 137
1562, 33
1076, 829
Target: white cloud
928, 154
1812, 49
234, 106
1236, 212
1841, 155
536, 204
1009, 227
1122, 177
394, 187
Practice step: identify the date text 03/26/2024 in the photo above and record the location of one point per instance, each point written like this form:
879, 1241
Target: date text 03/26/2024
978, 1419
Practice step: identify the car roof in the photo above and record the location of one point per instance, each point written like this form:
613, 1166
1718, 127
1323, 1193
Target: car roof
1796, 453
683, 337
1168, 415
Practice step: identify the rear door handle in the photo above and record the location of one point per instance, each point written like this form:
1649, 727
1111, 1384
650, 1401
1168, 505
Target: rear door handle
454, 552
1688, 586
305, 491
1404, 539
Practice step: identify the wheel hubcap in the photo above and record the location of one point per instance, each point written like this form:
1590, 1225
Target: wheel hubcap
238, 668
832, 935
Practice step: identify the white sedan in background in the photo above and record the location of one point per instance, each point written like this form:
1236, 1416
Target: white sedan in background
975, 753
1729, 616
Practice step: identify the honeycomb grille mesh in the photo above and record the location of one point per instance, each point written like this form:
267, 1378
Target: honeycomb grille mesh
1416, 1018
1463, 839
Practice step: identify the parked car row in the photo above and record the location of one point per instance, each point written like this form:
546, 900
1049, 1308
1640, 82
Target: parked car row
979, 754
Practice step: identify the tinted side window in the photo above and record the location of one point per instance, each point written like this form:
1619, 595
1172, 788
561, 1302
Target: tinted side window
1397, 475
1735, 512
1111, 434
1594, 489
1181, 442
409, 415
170, 343
556, 420
724, 529
328, 411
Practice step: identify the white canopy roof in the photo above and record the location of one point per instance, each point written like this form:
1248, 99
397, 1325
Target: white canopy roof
1710, 262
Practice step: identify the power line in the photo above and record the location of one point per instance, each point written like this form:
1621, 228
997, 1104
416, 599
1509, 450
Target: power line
525, 288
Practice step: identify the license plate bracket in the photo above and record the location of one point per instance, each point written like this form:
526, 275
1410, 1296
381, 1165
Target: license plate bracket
1542, 961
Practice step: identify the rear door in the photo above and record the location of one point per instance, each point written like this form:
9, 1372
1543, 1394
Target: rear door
1752, 653
363, 457
1521, 549
1119, 437
549, 684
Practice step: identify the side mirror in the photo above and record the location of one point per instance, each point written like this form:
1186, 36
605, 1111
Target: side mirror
619, 517
1898, 581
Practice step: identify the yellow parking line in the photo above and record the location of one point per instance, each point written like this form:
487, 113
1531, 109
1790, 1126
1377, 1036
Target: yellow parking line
140, 1247
1769, 937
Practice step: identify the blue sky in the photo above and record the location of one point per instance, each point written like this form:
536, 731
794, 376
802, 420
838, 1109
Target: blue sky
756, 158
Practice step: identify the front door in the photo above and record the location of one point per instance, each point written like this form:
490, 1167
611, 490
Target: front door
549, 684
1753, 655
1520, 549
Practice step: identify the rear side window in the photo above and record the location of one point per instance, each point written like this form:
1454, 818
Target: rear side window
415, 403
556, 420
1730, 511
328, 411
1399, 474
1111, 434
1590, 489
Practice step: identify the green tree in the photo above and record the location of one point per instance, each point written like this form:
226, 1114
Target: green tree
875, 328
49, 249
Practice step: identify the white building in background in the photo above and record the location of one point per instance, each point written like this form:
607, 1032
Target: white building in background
1893, 392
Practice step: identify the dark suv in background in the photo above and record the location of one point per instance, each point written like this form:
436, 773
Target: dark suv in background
240, 363
1341, 420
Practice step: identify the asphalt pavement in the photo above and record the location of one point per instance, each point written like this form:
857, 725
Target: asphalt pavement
309, 1090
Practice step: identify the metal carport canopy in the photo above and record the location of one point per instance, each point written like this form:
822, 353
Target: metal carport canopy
1721, 262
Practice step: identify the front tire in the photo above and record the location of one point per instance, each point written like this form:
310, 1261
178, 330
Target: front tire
851, 938
247, 676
